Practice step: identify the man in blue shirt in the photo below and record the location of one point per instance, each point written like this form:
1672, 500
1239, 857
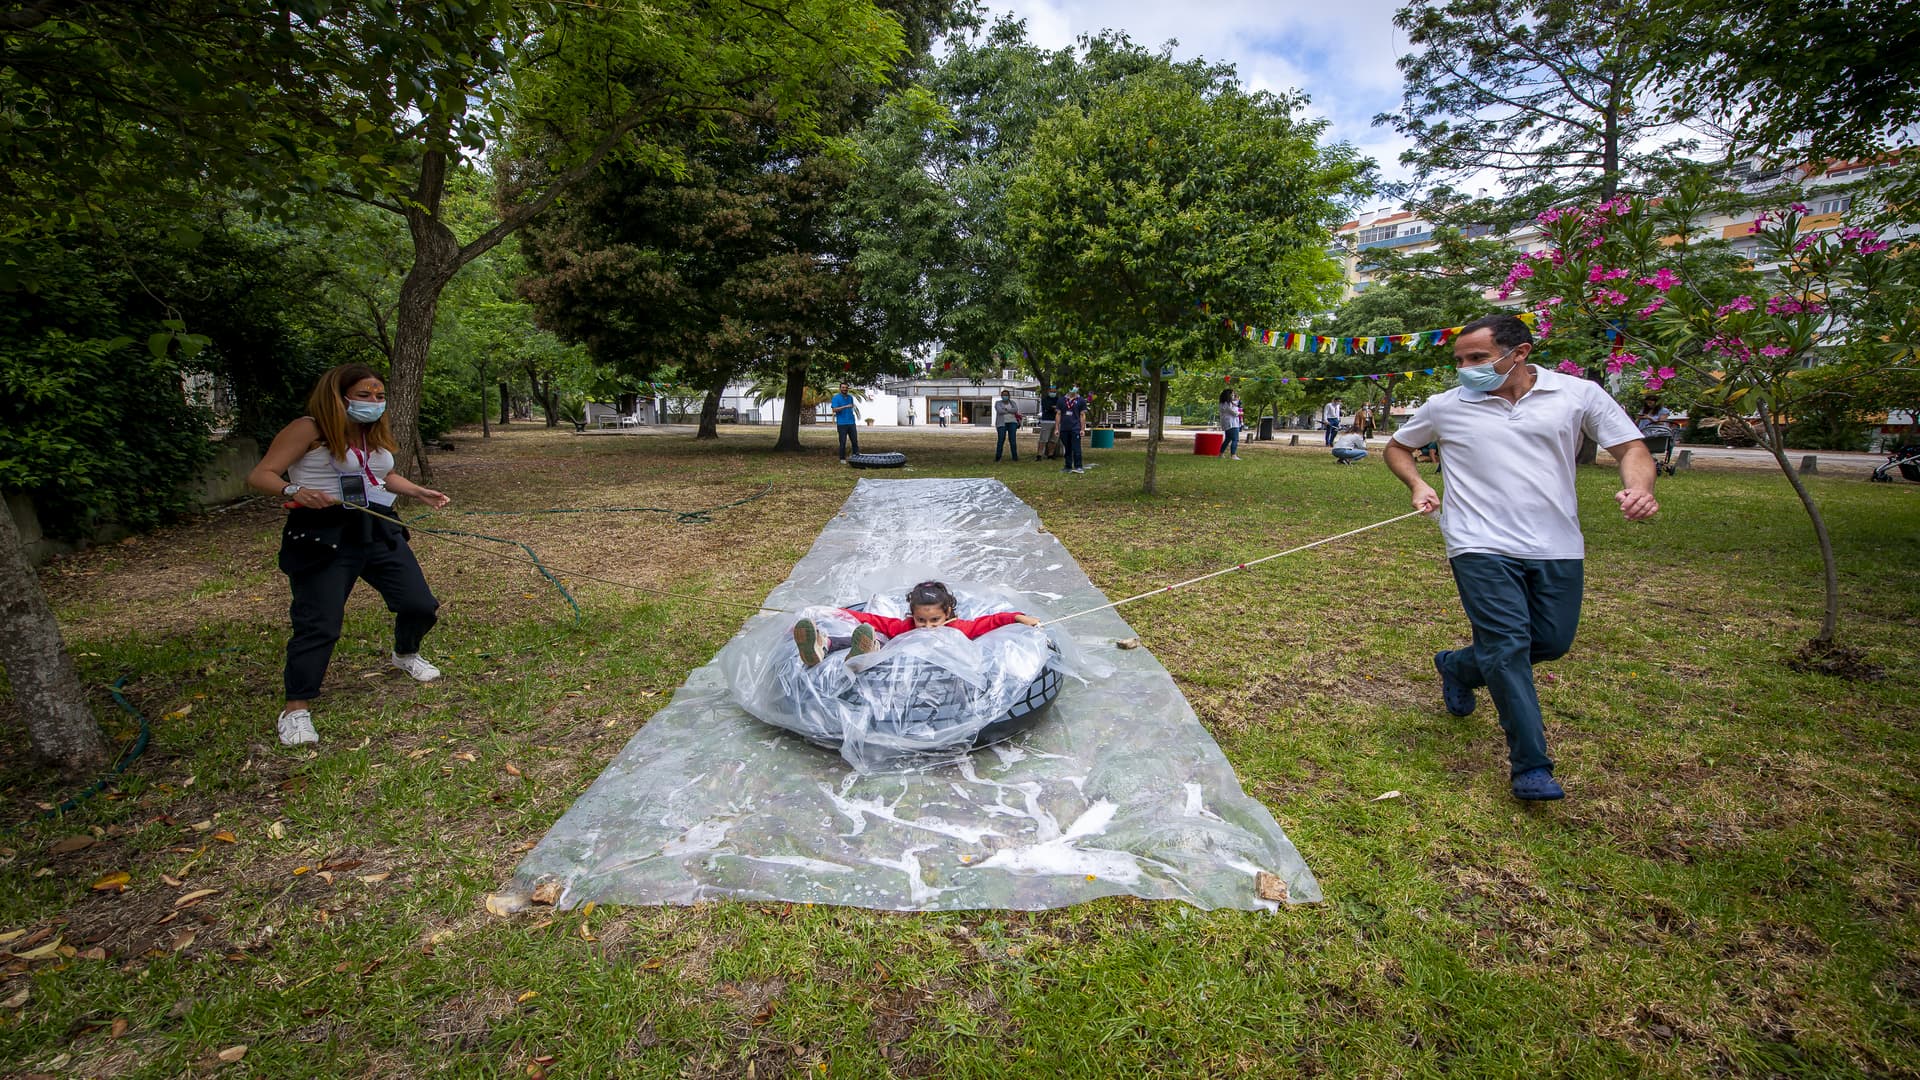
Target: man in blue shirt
844, 419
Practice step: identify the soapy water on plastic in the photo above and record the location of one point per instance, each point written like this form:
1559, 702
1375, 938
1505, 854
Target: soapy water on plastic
1117, 790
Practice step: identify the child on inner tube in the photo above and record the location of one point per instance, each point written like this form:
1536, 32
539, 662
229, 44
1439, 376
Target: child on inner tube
930, 604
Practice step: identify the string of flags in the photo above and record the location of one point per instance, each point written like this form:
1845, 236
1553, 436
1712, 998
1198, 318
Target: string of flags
1297, 341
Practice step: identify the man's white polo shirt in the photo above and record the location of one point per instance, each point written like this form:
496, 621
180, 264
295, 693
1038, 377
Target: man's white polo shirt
1508, 468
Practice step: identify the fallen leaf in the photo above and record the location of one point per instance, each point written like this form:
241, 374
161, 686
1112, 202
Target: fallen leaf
197, 894
11, 936
18, 1000
298, 870
277, 830
114, 882
503, 904
343, 864
526, 997
587, 908
326, 876
118, 1029
464, 756
71, 844
535, 1072
420, 753
184, 938
586, 934
1128, 643
43, 952
541, 925
233, 1053
525, 845
179, 713
172, 881
293, 783
375, 879
167, 918
1384, 796
511, 769
1270, 886
201, 826
547, 892
95, 953
226, 837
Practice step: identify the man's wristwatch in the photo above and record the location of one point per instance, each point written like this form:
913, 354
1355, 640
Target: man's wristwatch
289, 490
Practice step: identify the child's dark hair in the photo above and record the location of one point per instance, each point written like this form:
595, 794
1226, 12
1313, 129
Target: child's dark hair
930, 593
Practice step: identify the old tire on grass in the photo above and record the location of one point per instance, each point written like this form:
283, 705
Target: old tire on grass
892, 460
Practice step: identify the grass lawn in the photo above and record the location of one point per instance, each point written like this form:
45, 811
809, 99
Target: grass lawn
1732, 887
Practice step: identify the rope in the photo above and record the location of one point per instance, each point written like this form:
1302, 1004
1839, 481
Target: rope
127, 757
1164, 589
702, 516
546, 570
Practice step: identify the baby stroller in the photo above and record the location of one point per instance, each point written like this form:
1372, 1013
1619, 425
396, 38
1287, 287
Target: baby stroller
1906, 459
1660, 439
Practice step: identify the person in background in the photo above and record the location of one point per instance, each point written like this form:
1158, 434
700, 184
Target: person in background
1511, 432
1073, 413
1652, 414
1330, 420
1352, 446
1230, 415
946, 412
1006, 421
1049, 426
845, 421
342, 451
1366, 423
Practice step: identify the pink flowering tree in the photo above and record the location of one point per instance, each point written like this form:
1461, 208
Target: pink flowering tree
1634, 282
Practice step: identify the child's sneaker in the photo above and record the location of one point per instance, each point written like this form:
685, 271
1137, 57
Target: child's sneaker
864, 641
416, 667
296, 728
806, 638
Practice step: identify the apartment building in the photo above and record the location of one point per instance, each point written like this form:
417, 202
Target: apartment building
1395, 229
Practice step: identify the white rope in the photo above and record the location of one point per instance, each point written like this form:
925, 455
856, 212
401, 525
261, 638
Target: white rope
1164, 589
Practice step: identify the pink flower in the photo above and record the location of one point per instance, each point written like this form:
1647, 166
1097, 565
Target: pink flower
1620, 360
1798, 208
1647, 312
1738, 303
1665, 373
1610, 297
1874, 248
1805, 242
1662, 279
1857, 232
1568, 367
1775, 352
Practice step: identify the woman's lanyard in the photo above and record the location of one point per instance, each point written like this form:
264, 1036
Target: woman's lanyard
364, 466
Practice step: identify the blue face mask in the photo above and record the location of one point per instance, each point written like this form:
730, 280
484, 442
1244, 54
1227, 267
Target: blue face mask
1486, 378
366, 412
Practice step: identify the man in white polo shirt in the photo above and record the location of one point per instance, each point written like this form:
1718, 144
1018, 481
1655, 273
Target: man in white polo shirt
1509, 434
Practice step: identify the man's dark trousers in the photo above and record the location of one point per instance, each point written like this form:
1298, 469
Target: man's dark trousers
849, 436
1005, 441
1523, 611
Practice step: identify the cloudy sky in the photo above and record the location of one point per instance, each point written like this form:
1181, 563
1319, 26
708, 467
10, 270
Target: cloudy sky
1341, 52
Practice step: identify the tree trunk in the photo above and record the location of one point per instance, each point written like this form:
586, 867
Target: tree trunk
60, 724
1776, 444
790, 409
710, 408
506, 405
436, 257
1157, 408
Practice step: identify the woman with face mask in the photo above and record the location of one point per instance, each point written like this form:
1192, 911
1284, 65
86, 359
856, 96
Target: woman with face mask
334, 468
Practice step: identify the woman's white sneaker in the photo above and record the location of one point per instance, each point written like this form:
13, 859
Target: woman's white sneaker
416, 667
296, 728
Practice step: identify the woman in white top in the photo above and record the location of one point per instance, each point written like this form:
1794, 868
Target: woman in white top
341, 452
1230, 415
1352, 446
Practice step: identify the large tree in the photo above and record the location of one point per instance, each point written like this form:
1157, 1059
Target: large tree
1131, 213
1550, 97
928, 207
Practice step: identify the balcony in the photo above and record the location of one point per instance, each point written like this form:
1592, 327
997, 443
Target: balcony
1396, 241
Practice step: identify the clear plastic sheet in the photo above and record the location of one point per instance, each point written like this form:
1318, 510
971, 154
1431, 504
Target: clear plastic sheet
1118, 791
924, 698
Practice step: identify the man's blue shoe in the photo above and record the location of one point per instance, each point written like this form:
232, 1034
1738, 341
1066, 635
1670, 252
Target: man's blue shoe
1459, 699
1538, 785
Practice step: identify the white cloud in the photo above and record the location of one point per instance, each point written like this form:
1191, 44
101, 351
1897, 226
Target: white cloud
1341, 52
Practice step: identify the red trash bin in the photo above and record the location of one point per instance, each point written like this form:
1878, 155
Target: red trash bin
1209, 442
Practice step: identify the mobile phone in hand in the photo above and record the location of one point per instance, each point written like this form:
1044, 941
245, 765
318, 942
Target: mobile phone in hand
353, 490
